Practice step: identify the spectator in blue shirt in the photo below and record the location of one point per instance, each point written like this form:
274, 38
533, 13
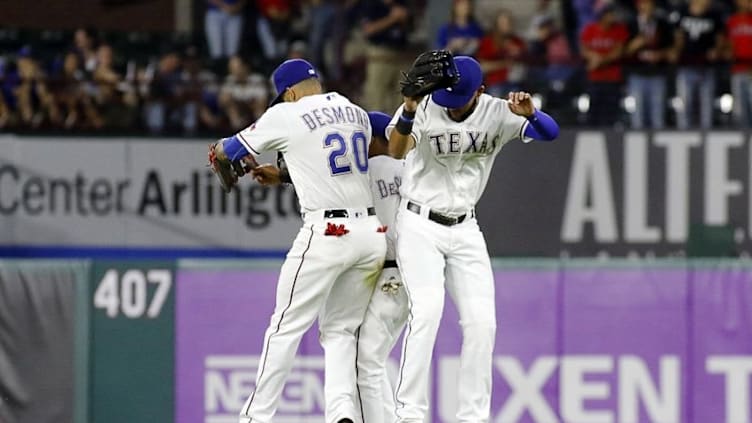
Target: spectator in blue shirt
462, 34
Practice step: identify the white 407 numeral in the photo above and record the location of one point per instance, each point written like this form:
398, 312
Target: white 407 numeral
128, 293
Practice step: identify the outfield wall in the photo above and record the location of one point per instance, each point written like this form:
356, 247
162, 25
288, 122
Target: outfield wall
578, 340
589, 193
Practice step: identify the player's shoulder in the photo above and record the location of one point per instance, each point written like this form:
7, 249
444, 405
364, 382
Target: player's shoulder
280, 109
489, 102
384, 163
429, 107
276, 114
334, 97
384, 160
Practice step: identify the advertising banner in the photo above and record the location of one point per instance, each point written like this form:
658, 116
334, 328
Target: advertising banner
588, 193
619, 194
133, 193
574, 344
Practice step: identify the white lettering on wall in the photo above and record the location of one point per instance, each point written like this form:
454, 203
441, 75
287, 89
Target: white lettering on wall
590, 197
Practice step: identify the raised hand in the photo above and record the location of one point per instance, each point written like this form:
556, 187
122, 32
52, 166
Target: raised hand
521, 103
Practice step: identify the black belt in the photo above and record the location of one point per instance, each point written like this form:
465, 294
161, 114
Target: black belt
390, 264
338, 213
439, 218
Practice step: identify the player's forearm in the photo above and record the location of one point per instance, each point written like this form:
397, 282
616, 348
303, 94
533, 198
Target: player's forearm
399, 144
541, 127
400, 139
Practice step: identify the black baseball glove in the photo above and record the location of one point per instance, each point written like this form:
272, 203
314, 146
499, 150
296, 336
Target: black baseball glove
228, 171
431, 71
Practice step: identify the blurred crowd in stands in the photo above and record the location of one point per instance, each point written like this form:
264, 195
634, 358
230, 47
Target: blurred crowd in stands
625, 63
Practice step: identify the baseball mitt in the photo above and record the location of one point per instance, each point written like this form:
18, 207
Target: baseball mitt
431, 71
228, 171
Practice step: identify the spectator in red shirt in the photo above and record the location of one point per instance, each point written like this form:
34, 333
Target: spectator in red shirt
739, 31
498, 53
602, 44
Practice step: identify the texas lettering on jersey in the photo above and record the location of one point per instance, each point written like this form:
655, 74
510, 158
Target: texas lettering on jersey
466, 148
469, 142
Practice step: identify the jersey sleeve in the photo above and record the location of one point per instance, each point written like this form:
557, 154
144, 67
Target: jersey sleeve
269, 133
418, 123
512, 126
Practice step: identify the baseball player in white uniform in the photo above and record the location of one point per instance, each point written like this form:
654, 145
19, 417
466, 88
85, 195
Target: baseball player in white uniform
334, 262
449, 140
387, 311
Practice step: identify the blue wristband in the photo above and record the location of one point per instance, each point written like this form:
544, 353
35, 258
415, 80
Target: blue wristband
234, 148
542, 127
404, 124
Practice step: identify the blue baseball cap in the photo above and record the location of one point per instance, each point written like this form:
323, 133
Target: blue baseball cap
289, 73
379, 122
471, 78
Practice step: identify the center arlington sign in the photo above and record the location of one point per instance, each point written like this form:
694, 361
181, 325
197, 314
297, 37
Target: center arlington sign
134, 193
196, 195
588, 193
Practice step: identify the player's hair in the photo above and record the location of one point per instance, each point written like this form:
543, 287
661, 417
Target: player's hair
309, 84
307, 87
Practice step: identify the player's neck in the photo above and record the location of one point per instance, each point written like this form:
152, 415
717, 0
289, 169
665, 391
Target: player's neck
458, 115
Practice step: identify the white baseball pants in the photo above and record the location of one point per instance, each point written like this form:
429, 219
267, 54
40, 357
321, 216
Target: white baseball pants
431, 257
332, 278
384, 321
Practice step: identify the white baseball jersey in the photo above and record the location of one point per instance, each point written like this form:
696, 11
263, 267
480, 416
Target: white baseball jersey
386, 178
324, 139
449, 167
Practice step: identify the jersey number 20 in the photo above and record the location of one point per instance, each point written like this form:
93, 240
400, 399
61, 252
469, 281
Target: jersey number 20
338, 161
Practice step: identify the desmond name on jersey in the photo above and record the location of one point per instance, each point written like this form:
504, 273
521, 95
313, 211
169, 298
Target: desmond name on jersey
387, 188
323, 116
466, 142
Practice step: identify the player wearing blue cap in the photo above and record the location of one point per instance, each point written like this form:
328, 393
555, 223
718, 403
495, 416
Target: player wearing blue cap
387, 310
450, 140
333, 264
